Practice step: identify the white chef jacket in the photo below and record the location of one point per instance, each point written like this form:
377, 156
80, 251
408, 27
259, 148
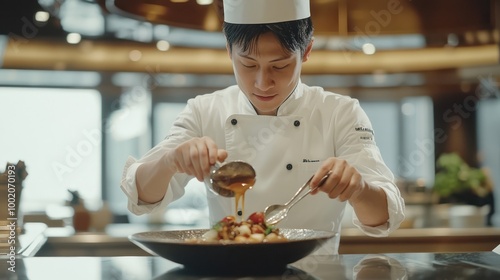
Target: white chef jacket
285, 151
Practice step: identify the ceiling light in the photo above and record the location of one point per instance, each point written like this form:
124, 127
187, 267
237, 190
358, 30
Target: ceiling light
368, 48
204, 2
163, 45
483, 36
42, 16
73, 38
408, 109
135, 55
452, 40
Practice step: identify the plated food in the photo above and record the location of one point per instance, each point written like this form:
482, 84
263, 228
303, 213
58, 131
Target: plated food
251, 230
231, 257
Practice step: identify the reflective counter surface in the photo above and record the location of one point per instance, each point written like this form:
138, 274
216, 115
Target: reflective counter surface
480, 265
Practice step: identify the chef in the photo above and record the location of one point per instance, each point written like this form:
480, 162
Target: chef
287, 130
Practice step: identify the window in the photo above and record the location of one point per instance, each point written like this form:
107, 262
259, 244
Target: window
488, 126
57, 133
164, 116
192, 208
416, 159
385, 121
127, 133
405, 136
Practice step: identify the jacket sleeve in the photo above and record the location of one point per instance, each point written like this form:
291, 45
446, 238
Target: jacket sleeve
184, 128
356, 144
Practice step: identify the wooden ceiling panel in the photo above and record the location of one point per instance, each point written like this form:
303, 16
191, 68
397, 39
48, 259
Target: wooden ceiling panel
334, 17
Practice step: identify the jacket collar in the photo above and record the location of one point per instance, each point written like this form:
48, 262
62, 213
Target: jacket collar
293, 102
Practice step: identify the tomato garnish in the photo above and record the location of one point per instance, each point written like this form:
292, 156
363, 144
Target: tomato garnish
257, 217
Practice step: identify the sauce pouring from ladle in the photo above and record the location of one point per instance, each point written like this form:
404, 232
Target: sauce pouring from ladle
231, 179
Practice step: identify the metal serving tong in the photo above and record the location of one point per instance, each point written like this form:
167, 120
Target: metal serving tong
275, 213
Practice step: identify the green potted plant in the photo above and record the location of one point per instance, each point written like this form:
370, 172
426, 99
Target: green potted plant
457, 182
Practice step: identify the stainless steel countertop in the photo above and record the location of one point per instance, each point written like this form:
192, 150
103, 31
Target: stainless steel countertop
477, 265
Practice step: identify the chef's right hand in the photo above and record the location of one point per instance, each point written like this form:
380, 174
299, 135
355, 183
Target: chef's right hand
195, 156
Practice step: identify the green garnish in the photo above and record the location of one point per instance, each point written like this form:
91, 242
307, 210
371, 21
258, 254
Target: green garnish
268, 230
217, 226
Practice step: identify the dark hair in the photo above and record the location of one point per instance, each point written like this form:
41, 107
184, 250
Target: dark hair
293, 35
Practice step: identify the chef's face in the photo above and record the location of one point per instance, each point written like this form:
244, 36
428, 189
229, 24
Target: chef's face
266, 73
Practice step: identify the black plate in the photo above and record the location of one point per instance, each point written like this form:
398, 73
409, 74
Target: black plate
232, 258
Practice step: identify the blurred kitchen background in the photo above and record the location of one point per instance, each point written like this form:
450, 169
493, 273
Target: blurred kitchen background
86, 83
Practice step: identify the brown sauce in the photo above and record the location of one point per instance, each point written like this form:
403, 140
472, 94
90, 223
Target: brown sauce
239, 188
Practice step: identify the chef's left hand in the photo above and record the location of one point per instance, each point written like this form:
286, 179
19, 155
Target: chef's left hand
344, 182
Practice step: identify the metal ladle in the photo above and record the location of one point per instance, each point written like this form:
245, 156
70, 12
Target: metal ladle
273, 214
222, 176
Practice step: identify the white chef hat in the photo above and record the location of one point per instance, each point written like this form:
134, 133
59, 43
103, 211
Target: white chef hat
265, 11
